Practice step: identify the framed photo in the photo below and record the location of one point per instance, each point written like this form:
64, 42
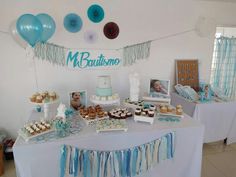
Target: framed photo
159, 88
78, 99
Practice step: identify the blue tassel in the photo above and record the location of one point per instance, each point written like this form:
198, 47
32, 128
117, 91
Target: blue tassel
134, 161
168, 146
76, 160
63, 161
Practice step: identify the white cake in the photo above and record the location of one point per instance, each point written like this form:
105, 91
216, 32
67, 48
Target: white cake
104, 88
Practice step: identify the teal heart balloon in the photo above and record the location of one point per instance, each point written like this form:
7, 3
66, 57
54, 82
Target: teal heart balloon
29, 28
49, 26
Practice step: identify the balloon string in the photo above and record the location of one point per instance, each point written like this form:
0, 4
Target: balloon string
35, 75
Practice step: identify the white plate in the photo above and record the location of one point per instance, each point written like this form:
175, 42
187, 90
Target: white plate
144, 119
27, 137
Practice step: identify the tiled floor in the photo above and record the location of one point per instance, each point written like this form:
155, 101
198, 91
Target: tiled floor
218, 161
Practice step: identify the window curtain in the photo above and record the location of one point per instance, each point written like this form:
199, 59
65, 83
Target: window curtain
223, 74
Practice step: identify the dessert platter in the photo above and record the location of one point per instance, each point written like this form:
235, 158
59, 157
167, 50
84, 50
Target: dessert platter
168, 110
44, 98
35, 129
145, 115
133, 104
104, 95
92, 114
111, 125
120, 113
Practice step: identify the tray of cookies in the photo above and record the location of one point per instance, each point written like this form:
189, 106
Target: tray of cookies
35, 129
92, 113
168, 110
111, 125
145, 115
120, 113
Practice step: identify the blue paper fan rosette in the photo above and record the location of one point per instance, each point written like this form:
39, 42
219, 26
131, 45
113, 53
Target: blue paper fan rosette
95, 13
73, 23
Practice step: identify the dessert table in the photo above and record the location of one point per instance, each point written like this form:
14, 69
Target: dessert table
219, 118
43, 159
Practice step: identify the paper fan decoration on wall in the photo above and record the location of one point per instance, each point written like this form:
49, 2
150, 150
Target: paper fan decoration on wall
73, 23
90, 36
95, 13
111, 30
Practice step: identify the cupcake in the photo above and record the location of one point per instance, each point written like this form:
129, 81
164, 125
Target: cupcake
151, 113
179, 107
100, 114
39, 99
152, 107
103, 98
145, 110
179, 111
163, 109
123, 116
129, 114
143, 113
169, 109
109, 98
52, 96
33, 98
138, 111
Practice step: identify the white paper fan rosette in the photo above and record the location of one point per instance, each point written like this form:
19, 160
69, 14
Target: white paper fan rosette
205, 26
90, 36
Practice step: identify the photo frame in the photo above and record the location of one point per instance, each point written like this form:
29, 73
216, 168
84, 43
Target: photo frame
159, 88
78, 99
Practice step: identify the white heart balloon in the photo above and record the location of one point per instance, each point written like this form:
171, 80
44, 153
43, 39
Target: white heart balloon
15, 35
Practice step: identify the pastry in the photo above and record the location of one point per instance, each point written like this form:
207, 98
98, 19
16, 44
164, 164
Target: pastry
123, 115
138, 111
179, 111
145, 110
152, 107
143, 113
52, 96
33, 98
163, 109
169, 109
92, 115
109, 98
179, 107
129, 114
39, 99
100, 114
151, 113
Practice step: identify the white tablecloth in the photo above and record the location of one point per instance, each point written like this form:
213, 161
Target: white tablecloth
42, 159
219, 119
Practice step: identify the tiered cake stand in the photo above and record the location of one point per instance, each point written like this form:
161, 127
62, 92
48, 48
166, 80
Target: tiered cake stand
47, 107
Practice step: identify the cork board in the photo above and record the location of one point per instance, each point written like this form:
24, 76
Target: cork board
187, 73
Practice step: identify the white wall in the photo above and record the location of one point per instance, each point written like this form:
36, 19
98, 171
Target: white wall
138, 20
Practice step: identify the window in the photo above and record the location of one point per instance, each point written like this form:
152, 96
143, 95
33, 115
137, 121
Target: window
223, 70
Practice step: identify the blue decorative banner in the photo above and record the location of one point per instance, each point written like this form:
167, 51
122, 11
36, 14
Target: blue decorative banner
119, 163
81, 59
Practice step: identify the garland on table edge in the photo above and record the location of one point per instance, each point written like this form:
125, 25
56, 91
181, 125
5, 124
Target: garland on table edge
126, 163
